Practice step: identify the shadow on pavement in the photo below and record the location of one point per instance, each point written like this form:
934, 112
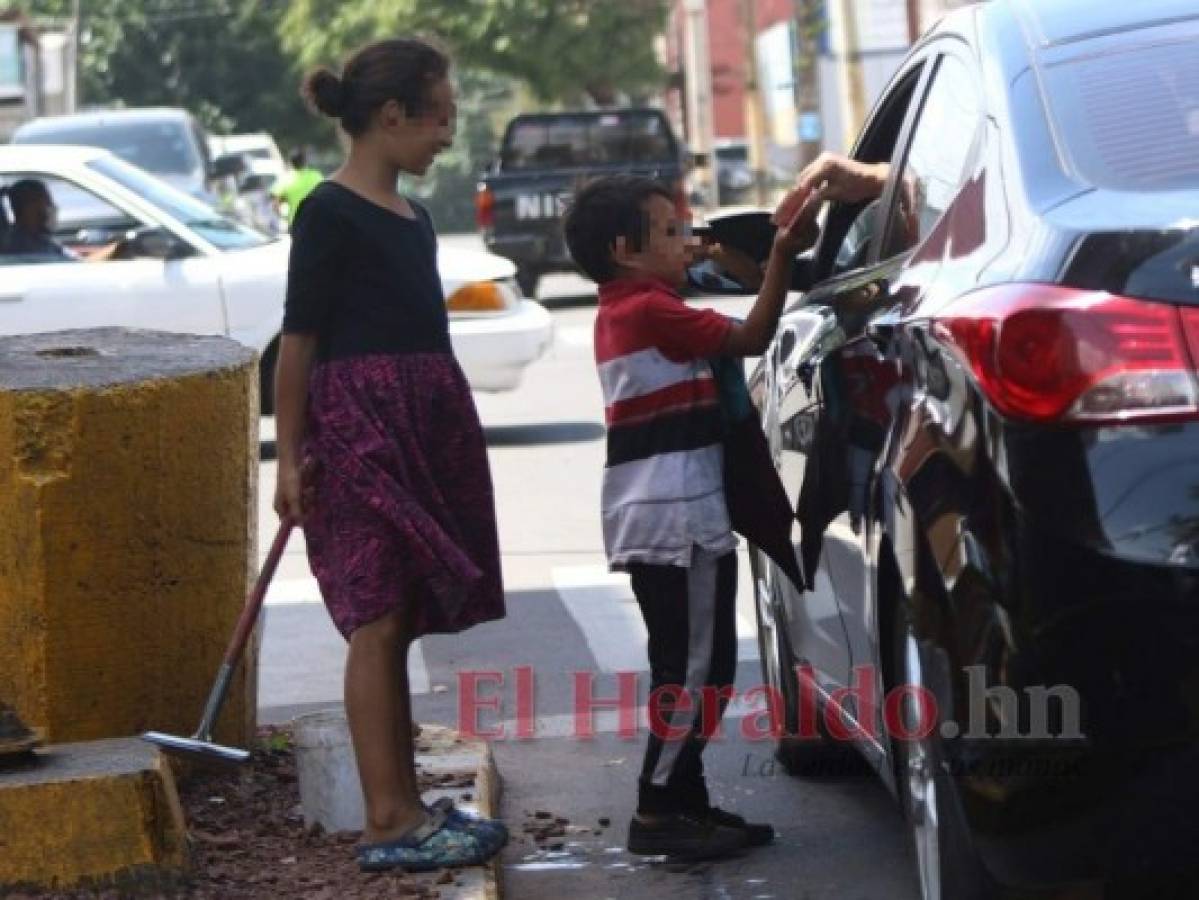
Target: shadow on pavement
508, 436
549, 433
569, 301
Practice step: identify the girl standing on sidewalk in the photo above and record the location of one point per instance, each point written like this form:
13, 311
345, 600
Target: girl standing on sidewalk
381, 454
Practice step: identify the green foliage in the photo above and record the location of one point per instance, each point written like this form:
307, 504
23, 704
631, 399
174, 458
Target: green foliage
237, 64
220, 59
564, 50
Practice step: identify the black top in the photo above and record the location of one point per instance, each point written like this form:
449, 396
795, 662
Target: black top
364, 278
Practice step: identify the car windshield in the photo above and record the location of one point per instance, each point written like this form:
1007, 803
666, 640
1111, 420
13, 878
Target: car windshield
223, 233
582, 140
159, 147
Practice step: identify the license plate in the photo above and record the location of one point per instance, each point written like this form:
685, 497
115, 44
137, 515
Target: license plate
541, 206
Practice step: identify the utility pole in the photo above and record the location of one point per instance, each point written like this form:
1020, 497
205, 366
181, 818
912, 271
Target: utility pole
755, 107
698, 79
914, 28
72, 90
853, 89
810, 25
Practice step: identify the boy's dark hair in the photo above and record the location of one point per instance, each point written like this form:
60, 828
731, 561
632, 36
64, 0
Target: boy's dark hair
605, 209
403, 69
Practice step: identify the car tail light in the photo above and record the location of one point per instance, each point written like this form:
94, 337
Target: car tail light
479, 297
1046, 353
484, 207
1190, 324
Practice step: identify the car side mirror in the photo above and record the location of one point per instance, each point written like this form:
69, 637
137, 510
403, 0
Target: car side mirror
254, 182
154, 243
708, 278
228, 166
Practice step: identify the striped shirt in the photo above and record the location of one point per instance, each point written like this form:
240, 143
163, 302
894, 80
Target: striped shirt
663, 490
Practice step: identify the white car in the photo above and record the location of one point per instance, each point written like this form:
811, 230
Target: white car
183, 267
260, 148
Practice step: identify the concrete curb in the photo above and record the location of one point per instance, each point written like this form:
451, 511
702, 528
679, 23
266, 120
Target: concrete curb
473, 781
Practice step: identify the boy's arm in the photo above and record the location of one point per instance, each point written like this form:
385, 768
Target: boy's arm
752, 336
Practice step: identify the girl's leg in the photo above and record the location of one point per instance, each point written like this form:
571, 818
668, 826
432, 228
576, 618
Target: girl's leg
381, 726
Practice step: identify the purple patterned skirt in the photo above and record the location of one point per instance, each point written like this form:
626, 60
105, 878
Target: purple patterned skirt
402, 508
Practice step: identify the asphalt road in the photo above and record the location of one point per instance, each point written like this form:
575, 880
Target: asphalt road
838, 838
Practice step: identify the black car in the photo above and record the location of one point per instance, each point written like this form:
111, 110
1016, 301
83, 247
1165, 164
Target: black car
544, 157
986, 413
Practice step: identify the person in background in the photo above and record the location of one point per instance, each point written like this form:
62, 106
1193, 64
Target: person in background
34, 219
297, 184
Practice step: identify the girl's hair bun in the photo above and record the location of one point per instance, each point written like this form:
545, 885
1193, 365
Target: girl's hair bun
326, 92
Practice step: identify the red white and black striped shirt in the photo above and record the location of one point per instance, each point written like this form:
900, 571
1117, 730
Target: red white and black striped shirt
663, 490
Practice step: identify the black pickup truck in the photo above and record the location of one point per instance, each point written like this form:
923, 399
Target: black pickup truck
544, 157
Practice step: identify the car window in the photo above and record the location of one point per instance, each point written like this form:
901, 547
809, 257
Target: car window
850, 228
935, 166
855, 247
571, 140
86, 221
1130, 120
220, 231
201, 145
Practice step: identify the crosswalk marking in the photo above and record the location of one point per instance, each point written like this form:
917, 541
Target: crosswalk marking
293, 591
600, 602
575, 335
603, 606
296, 617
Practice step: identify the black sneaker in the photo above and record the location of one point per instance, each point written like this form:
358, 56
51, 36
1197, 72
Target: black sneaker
757, 834
684, 837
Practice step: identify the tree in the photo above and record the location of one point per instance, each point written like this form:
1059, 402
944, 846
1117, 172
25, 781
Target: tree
221, 59
564, 50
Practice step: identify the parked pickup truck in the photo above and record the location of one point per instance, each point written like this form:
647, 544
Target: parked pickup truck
544, 157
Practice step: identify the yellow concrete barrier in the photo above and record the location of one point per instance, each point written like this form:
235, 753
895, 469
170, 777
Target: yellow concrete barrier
103, 813
128, 467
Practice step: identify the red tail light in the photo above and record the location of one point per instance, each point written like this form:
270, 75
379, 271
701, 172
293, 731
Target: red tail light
1046, 353
484, 207
1190, 324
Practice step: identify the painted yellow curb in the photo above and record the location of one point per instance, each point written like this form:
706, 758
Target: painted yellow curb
128, 472
103, 813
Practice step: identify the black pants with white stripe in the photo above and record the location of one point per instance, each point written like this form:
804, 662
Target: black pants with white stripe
691, 616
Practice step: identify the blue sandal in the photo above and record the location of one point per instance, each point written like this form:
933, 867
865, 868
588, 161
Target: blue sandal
469, 822
438, 843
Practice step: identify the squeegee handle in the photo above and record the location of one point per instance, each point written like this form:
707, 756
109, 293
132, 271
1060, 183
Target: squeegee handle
241, 634
249, 614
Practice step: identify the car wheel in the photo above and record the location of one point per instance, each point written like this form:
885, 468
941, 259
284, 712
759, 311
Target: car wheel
947, 864
266, 379
527, 280
807, 756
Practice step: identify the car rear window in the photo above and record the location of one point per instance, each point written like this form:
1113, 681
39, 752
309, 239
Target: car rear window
548, 142
1130, 119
